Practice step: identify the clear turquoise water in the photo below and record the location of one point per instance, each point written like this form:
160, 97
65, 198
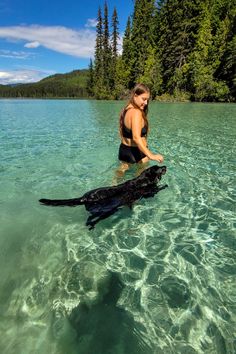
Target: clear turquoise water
158, 279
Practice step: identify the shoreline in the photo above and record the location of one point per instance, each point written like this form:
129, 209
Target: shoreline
120, 100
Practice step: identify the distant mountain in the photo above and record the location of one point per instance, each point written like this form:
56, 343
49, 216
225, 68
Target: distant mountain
69, 85
13, 85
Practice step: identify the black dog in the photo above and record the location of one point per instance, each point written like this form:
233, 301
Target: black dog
105, 201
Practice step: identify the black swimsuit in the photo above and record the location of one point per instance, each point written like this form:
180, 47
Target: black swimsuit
130, 154
127, 133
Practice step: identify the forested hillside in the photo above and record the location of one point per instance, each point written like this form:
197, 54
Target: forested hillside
60, 85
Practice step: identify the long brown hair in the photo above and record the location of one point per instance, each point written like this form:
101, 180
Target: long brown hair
138, 89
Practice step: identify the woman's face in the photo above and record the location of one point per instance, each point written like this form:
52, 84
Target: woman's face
142, 100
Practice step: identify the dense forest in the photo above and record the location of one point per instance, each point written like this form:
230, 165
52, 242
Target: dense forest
182, 49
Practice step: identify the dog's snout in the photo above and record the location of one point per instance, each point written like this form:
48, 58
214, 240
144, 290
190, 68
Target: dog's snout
164, 170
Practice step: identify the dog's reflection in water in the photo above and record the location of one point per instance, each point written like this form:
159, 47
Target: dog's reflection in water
106, 328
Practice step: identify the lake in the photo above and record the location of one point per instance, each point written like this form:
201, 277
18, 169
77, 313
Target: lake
160, 278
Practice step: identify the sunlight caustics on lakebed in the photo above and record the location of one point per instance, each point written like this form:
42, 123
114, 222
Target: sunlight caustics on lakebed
158, 279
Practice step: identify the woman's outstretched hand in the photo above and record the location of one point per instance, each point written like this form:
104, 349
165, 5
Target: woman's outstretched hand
157, 157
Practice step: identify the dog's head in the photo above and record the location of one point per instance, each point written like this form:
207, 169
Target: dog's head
153, 174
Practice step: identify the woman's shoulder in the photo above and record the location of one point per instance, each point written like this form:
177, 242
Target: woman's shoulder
133, 111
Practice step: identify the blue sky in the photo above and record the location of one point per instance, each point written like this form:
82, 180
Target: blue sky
44, 37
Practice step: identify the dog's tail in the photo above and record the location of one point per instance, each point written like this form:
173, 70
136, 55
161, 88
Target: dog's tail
62, 202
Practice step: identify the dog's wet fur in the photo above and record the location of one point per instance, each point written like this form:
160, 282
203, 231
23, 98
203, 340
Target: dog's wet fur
105, 201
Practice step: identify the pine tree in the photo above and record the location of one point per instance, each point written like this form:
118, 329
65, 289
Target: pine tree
107, 55
114, 49
206, 57
98, 61
224, 22
90, 81
142, 36
178, 25
115, 34
227, 69
127, 47
152, 75
122, 78
127, 57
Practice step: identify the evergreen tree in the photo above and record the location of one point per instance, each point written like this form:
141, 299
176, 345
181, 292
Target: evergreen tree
90, 81
107, 52
115, 34
114, 49
178, 25
127, 47
98, 61
206, 57
225, 43
122, 78
152, 75
142, 36
227, 69
127, 57
103, 58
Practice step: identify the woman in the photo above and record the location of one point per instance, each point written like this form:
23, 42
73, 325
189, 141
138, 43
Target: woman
134, 129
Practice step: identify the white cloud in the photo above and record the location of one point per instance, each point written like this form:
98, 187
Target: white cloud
15, 54
78, 43
91, 22
32, 45
4, 75
22, 76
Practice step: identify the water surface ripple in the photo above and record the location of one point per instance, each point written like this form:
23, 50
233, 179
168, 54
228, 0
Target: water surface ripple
157, 279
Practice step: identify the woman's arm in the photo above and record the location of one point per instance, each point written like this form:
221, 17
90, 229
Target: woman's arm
136, 126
